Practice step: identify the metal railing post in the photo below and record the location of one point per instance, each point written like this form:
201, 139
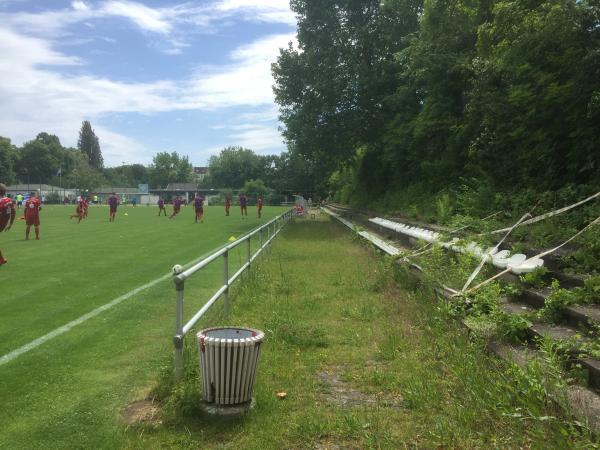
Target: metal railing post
248, 250
226, 282
260, 237
178, 339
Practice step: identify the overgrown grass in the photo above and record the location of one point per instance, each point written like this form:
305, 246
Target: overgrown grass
326, 309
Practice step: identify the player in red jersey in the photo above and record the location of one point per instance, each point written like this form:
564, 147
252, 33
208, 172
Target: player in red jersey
243, 204
7, 215
227, 204
259, 205
86, 205
113, 203
176, 206
33, 206
80, 210
199, 207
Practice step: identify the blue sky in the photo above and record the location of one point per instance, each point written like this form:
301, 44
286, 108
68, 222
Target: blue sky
191, 76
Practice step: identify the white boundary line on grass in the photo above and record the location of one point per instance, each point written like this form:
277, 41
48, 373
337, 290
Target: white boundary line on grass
63, 329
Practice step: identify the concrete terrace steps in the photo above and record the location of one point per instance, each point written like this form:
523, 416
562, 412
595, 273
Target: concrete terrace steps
583, 401
585, 317
579, 319
552, 261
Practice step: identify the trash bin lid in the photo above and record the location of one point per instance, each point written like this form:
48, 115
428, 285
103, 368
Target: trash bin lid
235, 333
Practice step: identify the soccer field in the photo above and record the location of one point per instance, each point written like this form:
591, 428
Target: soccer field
71, 387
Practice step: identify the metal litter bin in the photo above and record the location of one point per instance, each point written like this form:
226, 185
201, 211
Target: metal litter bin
228, 363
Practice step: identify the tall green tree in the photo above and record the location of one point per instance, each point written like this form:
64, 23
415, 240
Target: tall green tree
8, 161
127, 175
81, 175
332, 88
169, 168
89, 145
233, 166
535, 99
40, 159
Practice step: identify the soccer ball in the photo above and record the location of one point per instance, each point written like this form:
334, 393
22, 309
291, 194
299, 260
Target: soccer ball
177, 269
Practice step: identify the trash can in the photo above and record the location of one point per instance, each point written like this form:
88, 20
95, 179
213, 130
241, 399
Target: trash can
228, 362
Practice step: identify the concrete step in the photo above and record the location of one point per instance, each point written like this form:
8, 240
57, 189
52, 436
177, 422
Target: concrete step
584, 402
557, 332
535, 298
592, 366
515, 307
583, 316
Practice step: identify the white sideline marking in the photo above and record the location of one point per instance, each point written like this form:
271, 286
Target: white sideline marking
63, 329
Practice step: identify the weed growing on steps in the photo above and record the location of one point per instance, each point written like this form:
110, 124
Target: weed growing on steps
511, 327
444, 208
536, 278
560, 298
556, 302
511, 290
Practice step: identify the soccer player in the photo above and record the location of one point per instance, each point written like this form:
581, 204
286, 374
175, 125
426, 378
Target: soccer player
86, 205
259, 204
113, 202
199, 208
161, 206
227, 204
243, 204
176, 206
33, 206
7, 215
19, 200
80, 210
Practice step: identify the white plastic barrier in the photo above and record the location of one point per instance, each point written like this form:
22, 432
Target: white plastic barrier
517, 263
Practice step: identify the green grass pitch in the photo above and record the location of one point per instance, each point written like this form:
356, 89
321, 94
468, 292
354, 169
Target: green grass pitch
69, 390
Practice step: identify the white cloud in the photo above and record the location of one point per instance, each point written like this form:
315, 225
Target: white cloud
277, 11
54, 23
79, 6
148, 19
246, 82
39, 94
260, 138
166, 21
117, 148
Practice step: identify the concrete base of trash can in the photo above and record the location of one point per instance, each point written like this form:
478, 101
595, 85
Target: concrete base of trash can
227, 410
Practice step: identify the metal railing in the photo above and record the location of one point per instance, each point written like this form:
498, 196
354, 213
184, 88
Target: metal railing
272, 228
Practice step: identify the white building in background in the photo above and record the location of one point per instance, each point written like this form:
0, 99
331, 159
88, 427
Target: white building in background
43, 190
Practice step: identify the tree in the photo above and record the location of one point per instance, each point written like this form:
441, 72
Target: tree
532, 105
8, 161
169, 168
40, 159
332, 89
82, 176
254, 187
236, 165
127, 175
89, 145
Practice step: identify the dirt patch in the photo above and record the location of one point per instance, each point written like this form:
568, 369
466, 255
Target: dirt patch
342, 394
142, 411
332, 446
